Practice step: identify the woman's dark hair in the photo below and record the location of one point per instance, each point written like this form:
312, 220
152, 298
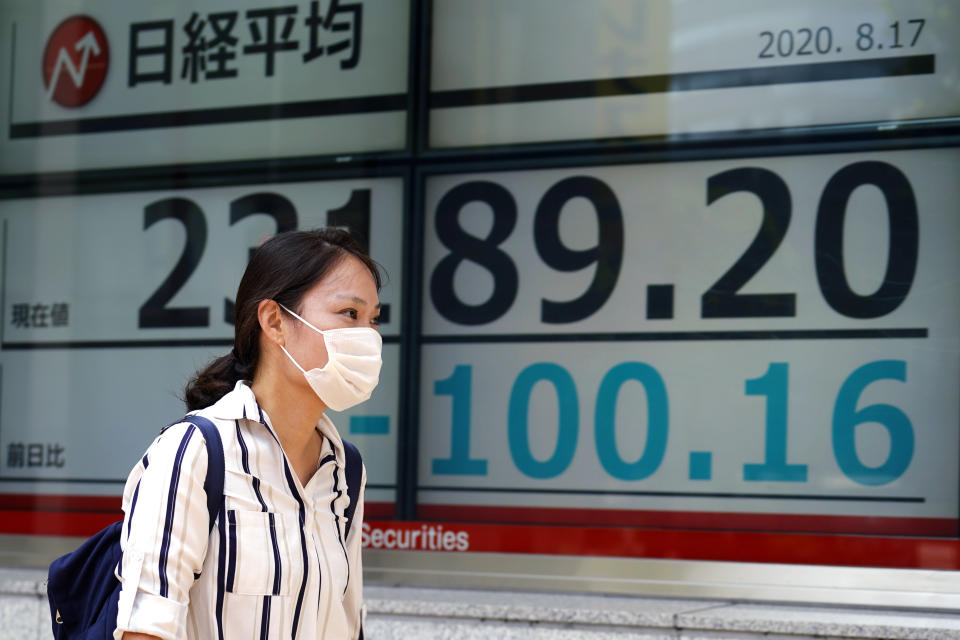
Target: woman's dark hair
283, 268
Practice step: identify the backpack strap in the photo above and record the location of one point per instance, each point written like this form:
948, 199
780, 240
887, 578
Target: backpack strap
354, 473
213, 483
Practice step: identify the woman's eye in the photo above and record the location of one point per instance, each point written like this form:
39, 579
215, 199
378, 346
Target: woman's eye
376, 321
350, 312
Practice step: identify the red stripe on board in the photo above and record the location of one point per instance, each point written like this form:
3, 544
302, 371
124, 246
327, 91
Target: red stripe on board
39, 502
739, 546
55, 523
379, 510
82, 516
791, 523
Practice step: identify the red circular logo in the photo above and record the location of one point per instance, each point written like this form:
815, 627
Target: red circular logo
75, 61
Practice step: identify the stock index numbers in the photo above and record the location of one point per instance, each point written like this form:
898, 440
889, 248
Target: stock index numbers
116, 299
770, 335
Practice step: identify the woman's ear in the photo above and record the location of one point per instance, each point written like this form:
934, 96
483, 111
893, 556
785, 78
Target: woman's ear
271, 319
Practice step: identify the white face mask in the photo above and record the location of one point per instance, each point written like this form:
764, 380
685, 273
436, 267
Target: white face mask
353, 365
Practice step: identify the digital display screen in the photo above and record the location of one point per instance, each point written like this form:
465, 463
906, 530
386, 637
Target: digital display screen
561, 70
112, 301
664, 344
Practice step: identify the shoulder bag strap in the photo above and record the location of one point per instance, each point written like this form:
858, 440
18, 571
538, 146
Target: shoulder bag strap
213, 483
354, 473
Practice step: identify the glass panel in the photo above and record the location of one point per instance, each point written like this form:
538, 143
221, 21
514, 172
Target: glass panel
121, 84
751, 344
552, 70
113, 300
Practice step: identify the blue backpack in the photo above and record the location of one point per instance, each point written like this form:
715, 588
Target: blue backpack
82, 589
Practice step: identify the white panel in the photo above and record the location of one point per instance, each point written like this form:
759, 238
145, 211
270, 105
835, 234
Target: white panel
826, 387
169, 96
656, 68
98, 255
85, 386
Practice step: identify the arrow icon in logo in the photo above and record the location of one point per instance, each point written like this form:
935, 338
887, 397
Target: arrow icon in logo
79, 34
86, 44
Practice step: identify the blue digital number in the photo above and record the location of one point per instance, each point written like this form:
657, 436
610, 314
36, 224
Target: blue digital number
774, 467
518, 425
773, 385
846, 417
459, 463
657, 421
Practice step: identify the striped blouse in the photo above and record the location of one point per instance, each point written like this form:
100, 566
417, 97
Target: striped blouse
276, 564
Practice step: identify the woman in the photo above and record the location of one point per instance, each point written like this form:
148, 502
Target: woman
276, 564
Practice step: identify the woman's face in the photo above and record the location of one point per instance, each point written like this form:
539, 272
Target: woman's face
346, 297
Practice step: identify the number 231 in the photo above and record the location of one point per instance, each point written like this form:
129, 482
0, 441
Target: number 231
155, 312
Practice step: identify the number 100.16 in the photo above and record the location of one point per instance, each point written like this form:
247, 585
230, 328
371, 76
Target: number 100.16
772, 385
